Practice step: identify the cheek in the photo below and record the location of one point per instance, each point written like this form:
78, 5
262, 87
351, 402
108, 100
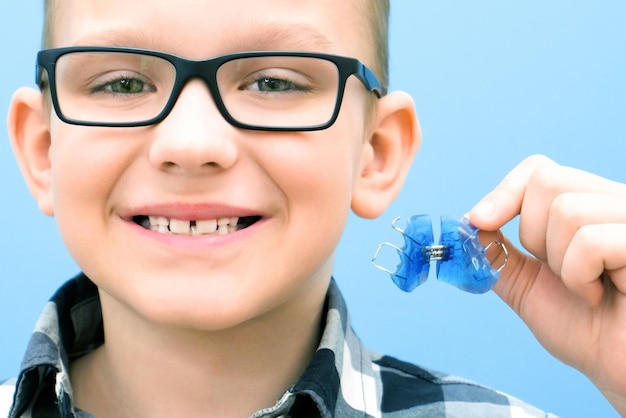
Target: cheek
316, 174
86, 166
324, 165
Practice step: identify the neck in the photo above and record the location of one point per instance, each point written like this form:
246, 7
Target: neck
232, 372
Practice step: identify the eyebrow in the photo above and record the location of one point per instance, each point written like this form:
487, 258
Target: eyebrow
126, 37
296, 36
269, 36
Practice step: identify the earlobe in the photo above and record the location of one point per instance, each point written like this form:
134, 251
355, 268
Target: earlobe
29, 132
387, 158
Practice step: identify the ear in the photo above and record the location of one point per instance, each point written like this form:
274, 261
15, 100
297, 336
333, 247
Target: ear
387, 157
29, 131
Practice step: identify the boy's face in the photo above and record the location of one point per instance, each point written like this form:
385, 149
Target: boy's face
194, 166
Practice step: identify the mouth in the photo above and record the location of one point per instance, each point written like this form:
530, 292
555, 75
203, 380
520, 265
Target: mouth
192, 228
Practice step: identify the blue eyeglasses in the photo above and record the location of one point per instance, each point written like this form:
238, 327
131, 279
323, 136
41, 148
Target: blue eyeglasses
262, 90
460, 258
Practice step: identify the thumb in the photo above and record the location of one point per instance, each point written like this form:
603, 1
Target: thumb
518, 271
535, 293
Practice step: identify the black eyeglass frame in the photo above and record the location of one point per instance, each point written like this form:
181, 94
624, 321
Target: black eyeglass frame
206, 70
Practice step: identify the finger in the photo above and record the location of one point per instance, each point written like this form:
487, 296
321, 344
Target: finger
570, 212
594, 250
517, 278
505, 201
530, 190
545, 189
537, 295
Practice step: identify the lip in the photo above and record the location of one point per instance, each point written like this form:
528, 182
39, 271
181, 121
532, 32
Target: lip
190, 211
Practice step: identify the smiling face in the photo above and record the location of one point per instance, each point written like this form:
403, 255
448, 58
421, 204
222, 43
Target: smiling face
119, 193
193, 222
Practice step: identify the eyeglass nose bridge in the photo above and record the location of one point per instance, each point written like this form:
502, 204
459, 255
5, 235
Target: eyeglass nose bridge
204, 70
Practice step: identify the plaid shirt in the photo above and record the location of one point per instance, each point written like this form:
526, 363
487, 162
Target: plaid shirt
343, 379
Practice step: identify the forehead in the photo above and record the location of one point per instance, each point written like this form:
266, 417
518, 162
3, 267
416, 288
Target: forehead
198, 29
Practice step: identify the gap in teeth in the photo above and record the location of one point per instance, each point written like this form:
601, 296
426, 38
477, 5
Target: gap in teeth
221, 226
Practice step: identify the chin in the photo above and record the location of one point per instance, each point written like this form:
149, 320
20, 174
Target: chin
203, 311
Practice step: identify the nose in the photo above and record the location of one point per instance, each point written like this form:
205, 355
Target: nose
194, 138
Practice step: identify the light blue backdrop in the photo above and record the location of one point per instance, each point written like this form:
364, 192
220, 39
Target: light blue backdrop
494, 81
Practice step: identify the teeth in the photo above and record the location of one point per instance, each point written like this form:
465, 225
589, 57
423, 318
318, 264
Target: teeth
158, 222
205, 227
180, 227
221, 226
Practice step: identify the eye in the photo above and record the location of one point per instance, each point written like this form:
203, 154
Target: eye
275, 80
275, 85
126, 85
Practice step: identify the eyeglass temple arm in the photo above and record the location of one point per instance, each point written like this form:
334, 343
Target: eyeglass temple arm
369, 79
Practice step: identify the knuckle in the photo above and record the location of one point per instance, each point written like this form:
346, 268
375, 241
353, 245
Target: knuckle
538, 161
564, 209
586, 238
546, 179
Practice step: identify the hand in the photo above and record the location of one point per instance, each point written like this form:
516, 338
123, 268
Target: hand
572, 291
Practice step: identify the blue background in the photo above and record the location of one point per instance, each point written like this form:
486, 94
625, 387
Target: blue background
494, 81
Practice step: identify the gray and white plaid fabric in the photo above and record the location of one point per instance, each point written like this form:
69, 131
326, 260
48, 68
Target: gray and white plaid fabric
343, 379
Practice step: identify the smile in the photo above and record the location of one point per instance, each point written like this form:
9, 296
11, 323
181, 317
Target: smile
221, 226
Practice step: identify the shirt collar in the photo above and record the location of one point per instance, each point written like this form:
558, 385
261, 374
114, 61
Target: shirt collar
71, 325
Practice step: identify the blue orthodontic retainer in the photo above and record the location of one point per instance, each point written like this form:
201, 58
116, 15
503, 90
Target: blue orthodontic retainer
460, 258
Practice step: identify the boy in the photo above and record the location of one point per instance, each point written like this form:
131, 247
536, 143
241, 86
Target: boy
226, 323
